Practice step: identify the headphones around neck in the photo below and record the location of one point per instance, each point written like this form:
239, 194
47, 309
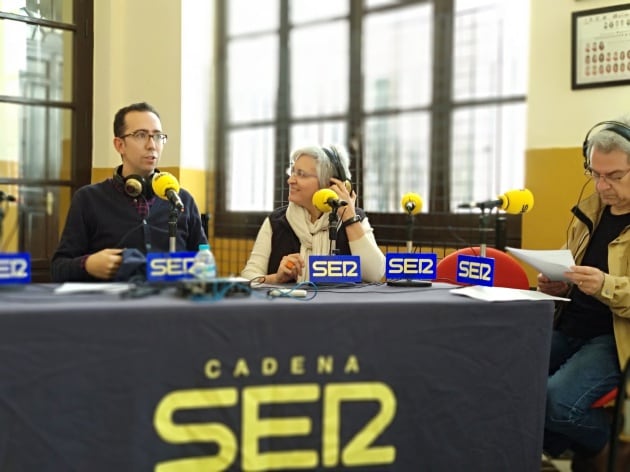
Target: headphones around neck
135, 185
339, 171
617, 127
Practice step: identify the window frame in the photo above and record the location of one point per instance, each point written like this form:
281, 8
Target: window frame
389, 227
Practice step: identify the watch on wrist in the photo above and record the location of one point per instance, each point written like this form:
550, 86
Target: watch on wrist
353, 220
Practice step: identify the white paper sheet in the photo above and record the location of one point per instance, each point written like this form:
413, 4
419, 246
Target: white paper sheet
96, 287
551, 262
502, 294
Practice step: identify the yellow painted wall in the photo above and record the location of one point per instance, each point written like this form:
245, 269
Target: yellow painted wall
556, 178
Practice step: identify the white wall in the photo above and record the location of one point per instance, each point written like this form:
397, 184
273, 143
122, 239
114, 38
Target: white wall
557, 115
150, 50
197, 103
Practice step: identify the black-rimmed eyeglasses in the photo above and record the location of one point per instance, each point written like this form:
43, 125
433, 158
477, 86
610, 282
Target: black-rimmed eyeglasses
611, 178
142, 135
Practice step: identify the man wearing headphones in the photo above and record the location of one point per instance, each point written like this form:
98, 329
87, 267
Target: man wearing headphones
122, 212
297, 230
591, 339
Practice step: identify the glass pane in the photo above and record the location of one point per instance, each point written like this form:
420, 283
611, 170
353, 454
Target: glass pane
398, 58
322, 133
35, 142
488, 145
251, 157
491, 48
35, 62
252, 90
56, 10
308, 10
396, 160
33, 223
319, 69
247, 16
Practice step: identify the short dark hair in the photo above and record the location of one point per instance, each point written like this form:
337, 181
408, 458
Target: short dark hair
119, 118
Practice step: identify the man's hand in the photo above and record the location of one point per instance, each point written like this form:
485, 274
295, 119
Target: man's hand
104, 264
555, 288
588, 279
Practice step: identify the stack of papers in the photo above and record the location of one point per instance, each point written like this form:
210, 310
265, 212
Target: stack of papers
502, 294
552, 263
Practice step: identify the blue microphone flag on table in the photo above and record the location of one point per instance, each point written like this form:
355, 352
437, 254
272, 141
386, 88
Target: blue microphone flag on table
15, 268
334, 269
475, 270
410, 266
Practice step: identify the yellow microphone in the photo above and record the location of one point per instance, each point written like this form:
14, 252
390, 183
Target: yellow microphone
513, 201
166, 186
326, 200
517, 201
411, 203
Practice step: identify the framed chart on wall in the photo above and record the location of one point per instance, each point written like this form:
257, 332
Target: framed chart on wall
600, 47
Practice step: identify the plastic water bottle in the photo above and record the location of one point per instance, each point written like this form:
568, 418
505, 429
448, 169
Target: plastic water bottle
204, 267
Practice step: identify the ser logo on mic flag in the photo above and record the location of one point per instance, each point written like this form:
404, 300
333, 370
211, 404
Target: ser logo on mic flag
169, 267
475, 270
334, 269
410, 266
15, 268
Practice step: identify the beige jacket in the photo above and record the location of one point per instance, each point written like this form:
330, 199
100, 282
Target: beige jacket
615, 291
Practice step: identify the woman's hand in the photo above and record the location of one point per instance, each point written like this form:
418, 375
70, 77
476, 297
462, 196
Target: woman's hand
339, 187
290, 268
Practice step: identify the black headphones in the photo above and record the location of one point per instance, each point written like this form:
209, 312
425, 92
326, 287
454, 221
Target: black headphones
617, 127
339, 171
134, 185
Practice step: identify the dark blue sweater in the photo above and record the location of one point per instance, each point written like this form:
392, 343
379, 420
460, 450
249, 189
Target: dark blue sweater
102, 216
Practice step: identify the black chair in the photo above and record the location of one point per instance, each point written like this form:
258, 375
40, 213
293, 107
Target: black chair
205, 223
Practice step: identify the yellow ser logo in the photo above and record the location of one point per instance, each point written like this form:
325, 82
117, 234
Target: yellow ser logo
359, 451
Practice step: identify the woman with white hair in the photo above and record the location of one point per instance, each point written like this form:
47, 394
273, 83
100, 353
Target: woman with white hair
295, 231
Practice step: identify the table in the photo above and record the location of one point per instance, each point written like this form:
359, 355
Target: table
371, 378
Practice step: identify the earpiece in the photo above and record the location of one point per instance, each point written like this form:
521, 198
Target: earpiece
134, 185
617, 127
339, 173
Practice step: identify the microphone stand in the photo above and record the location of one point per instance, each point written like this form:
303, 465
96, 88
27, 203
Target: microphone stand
333, 221
1, 224
172, 228
483, 229
409, 232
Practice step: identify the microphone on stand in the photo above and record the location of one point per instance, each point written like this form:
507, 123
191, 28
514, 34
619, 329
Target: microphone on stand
412, 204
166, 186
326, 200
5, 197
513, 201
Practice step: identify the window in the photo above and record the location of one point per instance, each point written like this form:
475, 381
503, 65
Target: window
428, 96
46, 120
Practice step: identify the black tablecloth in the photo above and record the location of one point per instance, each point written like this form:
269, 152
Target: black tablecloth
368, 378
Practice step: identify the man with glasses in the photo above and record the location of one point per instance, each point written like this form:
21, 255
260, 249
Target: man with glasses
121, 216
591, 339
